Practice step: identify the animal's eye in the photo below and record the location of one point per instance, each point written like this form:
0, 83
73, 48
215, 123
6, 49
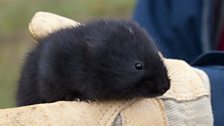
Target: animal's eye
138, 66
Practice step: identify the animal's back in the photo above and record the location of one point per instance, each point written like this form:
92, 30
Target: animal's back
28, 90
31, 84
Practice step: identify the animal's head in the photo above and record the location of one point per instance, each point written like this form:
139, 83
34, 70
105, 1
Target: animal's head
107, 60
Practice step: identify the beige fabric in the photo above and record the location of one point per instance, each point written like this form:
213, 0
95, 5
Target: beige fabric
146, 112
86, 114
189, 113
44, 23
187, 103
186, 83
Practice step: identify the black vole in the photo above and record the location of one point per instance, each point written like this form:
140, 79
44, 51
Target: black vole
101, 60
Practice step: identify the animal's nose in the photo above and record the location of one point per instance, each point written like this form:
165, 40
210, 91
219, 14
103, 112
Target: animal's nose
164, 89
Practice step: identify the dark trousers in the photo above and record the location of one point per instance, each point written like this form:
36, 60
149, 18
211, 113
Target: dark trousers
175, 25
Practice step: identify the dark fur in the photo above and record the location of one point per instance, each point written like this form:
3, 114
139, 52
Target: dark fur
93, 62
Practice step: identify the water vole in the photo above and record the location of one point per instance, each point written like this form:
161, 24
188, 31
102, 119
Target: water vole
101, 60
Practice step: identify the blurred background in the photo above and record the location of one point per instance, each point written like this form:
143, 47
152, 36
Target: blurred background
15, 40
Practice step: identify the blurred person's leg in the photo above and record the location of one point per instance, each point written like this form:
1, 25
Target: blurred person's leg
175, 25
213, 65
176, 28
216, 77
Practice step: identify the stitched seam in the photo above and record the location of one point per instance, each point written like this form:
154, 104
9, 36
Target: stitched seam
106, 122
125, 120
114, 111
183, 98
118, 108
163, 112
193, 90
98, 123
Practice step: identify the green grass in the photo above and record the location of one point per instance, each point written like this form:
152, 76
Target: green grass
10, 62
15, 39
